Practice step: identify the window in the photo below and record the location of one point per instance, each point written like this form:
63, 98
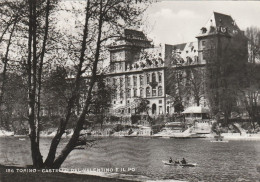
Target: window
147, 78
141, 92
135, 92
128, 93
160, 110
196, 58
203, 43
154, 91
108, 81
160, 77
121, 82
160, 101
113, 95
114, 81
148, 92
128, 81
203, 30
153, 77
121, 94
141, 80
135, 80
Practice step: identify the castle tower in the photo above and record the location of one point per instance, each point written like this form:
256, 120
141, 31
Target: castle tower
216, 34
126, 50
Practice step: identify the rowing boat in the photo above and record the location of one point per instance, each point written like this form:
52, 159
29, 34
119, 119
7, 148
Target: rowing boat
182, 165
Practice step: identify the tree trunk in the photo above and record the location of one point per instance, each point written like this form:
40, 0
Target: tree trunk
40, 69
56, 140
72, 143
31, 68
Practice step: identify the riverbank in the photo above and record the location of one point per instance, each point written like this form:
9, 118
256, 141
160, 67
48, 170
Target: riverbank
167, 134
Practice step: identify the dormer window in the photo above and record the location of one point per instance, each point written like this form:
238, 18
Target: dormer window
203, 30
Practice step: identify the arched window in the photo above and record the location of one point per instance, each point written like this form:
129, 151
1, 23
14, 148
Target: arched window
128, 81
147, 78
108, 81
148, 92
128, 93
160, 91
153, 77
121, 82
135, 92
121, 94
160, 77
141, 92
154, 91
114, 81
141, 80
135, 80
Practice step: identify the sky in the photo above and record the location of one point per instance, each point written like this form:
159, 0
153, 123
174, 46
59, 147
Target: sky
174, 22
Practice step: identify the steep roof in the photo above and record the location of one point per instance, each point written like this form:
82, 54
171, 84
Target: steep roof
134, 35
225, 21
131, 38
225, 24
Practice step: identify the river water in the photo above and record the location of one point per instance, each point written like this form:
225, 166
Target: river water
232, 161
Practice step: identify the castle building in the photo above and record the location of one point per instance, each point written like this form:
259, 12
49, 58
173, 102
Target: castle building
163, 74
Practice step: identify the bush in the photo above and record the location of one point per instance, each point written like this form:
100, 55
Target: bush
114, 118
135, 119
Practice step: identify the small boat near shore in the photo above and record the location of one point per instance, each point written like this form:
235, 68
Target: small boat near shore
179, 164
219, 141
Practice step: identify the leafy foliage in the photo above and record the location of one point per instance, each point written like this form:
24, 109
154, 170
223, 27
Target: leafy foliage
225, 72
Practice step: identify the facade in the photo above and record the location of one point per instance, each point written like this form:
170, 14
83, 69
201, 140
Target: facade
168, 73
134, 75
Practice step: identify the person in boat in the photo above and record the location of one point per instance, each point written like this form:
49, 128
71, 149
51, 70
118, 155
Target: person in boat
183, 161
170, 160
